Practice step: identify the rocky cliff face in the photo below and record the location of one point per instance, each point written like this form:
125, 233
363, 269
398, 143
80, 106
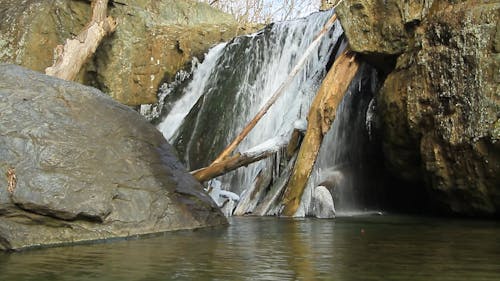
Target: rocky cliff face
86, 168
154, 40
440, 104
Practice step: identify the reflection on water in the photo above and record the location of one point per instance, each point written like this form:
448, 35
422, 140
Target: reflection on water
360, 248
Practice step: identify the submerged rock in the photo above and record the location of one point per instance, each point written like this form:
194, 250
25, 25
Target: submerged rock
153, 41
440, 105
87, 168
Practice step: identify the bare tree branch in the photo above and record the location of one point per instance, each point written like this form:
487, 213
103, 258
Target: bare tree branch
74, 54
264, 11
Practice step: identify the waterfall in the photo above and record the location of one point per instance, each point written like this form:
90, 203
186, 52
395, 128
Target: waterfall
170, 124
237, 78
232, 84
344, 160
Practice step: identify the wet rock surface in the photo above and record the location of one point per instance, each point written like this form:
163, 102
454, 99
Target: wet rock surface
86, 167
323, 207
440, 104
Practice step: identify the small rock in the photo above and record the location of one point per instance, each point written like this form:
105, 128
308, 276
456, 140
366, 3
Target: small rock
323, 206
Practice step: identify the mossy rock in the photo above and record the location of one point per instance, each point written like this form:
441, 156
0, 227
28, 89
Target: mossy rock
153, 41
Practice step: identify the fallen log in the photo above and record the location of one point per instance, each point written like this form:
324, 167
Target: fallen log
320, 118
75, 53
255, 154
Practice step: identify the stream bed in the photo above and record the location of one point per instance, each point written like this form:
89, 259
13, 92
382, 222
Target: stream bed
387, 247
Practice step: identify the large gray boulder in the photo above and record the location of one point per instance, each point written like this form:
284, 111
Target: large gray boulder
87, 168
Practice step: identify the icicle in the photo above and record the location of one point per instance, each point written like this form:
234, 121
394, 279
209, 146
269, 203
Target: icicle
174, 119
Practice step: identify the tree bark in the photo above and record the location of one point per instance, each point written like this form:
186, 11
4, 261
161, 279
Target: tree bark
236, 161
231, 147
321, 116
75, 53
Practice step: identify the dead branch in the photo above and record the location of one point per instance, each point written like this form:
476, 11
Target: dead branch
237, 161
75, 53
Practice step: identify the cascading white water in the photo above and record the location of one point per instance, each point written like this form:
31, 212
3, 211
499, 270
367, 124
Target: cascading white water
342, 160
192, 93
232, 84
236, 80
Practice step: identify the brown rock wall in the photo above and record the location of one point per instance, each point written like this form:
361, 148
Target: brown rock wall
440, 105
153, 41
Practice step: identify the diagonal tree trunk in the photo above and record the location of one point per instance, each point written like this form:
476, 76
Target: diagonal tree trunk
248, 128
253, 155
76, 52
321, 116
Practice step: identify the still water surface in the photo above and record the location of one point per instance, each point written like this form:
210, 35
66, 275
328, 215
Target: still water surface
356, 248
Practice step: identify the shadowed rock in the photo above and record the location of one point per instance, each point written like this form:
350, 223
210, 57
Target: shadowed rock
439, 105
